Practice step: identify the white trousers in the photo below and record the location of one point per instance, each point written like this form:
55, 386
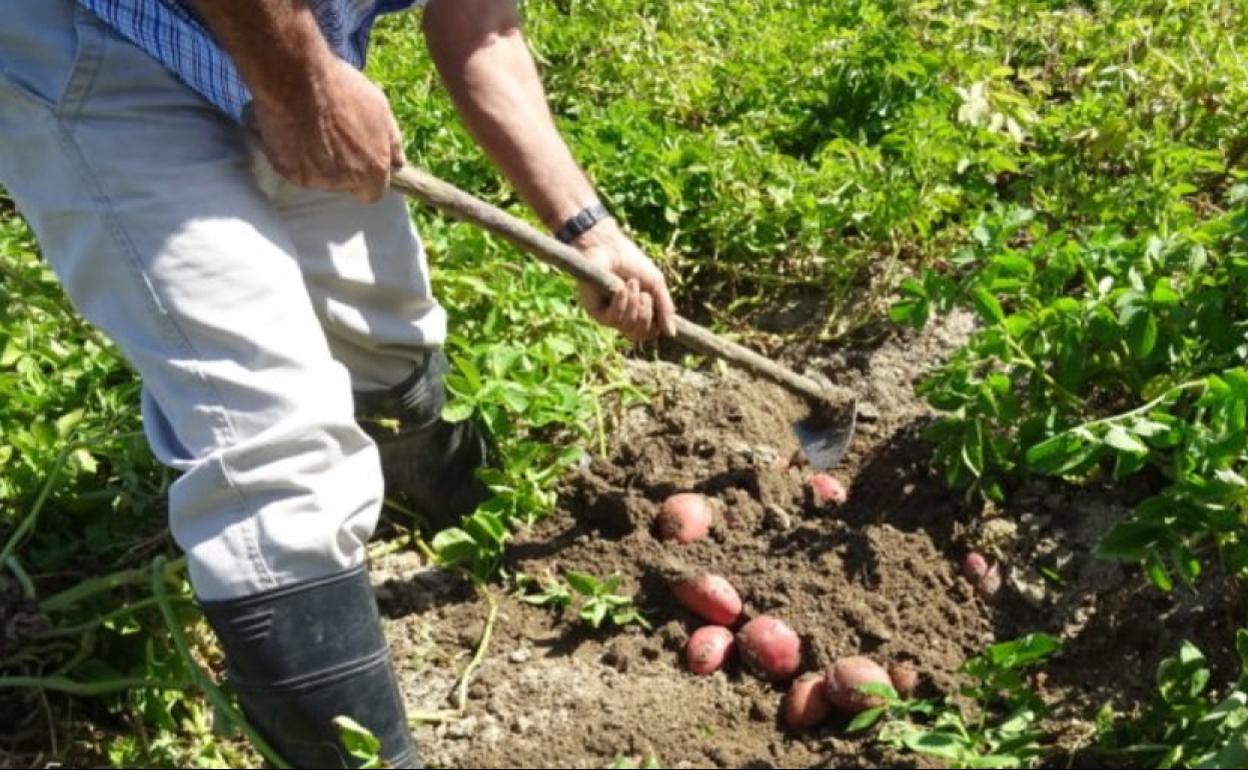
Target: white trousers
250, 315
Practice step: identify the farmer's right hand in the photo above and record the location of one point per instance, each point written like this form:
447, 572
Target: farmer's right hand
333, 131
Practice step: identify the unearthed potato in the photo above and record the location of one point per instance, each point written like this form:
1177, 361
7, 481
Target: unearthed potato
685, 517
827, 489
806, 704
770, 648
974, 566
984, 576
990, 583
709, 649
846, 676
905, 677
710, 597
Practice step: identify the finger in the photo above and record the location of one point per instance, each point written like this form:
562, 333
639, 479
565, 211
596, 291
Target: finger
639, 312
616, 311
646, 328
664, 308
398, 158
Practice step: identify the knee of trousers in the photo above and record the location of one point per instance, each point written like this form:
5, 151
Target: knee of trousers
294, 502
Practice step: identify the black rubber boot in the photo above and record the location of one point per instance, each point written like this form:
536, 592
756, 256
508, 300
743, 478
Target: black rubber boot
429, 464
301, 655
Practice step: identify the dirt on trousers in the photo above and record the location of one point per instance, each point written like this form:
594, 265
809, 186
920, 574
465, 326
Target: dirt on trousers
876, 576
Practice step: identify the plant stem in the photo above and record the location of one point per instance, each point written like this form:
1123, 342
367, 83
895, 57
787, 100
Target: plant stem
98, 585
23, 579
99, 620
160, 573
1189, 385
87, 689
461, 692
431, 717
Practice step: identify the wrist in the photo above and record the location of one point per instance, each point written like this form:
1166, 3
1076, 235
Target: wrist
303, 87
602, 234
577, 227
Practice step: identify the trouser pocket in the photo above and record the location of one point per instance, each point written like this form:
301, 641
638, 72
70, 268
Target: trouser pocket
49, 52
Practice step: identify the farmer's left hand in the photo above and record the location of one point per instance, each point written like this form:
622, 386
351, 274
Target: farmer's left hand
642, 309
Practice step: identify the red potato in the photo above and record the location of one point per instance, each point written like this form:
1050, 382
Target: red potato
710, 597
905, 678
846, 676
806, 703
827, 489
709, 649
974, 566
770, 648
685, 517
984, 576
990, 583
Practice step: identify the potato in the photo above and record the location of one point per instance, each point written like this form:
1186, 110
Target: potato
905, 677
685, 517
770, 648
990, 583
806, 703
984, 576
710, 597
846, 676
708, 649
974, 566
827, 489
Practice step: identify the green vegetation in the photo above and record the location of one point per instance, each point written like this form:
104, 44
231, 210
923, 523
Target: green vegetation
1000, 729
1074, 173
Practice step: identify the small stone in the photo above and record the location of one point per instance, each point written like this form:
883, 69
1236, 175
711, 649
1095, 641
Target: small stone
463, 729
775, 517
521, 725
868, 411
521, 655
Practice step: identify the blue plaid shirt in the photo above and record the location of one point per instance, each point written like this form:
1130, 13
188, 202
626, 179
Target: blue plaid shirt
178, 40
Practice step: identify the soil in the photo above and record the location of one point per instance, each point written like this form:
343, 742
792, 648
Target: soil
877, 576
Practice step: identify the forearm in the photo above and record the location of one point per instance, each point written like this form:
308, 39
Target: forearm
276, 44
482, 58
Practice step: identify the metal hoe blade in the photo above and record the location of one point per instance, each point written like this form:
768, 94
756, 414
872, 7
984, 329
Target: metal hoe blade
826, 432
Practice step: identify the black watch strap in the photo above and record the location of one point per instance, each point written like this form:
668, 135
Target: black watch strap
582, 221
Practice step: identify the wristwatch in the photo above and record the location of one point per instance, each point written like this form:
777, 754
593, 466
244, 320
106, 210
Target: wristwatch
581, 222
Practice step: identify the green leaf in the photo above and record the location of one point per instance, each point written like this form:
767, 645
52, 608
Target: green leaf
1053, 453
865, 719
1164, 293
1118, 438
358, 741
988, 306
1142, 333
453, 546
1158, 573
1131, 540
937, 744
1022, 651
594, 612
583, 584
66, 423
486, 528
458, 410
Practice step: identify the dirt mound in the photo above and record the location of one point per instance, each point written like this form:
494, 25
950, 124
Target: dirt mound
876, 576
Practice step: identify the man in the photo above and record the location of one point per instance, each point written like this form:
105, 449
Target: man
264, 322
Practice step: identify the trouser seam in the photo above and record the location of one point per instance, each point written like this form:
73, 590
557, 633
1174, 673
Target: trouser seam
171, 330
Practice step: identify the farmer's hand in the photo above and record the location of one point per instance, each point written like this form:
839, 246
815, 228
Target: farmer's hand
337, 133
642, 309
